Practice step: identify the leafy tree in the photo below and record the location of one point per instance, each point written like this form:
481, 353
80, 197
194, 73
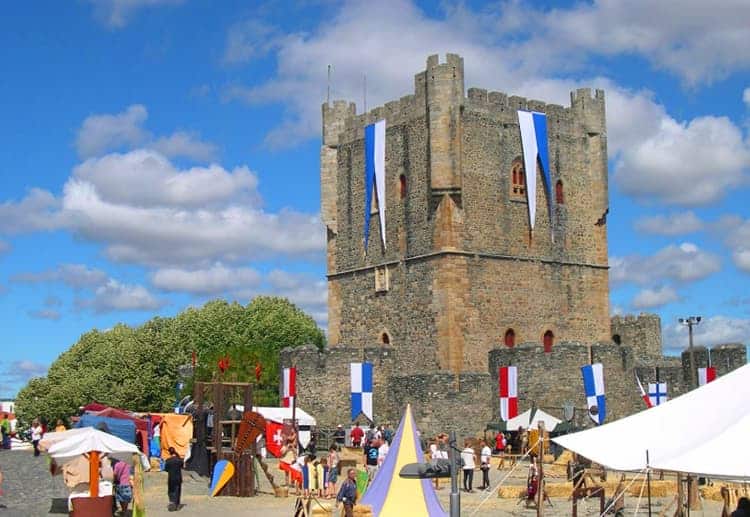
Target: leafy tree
136, 368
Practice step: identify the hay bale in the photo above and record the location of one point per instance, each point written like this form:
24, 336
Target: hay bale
362, 510
281, 491
322, 509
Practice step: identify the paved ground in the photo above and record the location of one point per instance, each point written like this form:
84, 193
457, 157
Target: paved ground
30, 491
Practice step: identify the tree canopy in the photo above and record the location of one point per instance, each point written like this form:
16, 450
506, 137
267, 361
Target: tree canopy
136, 368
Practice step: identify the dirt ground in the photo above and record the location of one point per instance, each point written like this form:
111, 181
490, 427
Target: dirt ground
197, 502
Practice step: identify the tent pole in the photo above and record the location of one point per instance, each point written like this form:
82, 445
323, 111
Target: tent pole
455, 497
94, 473
648, 481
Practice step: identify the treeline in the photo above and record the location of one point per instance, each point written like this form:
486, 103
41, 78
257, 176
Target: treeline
136, 368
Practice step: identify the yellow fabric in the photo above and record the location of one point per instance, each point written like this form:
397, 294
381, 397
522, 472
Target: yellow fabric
405, 496
176, 431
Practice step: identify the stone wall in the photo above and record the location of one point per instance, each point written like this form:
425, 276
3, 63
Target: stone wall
642, 332
464, 263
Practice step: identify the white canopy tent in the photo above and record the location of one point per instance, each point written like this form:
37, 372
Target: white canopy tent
701, 432
68, 445
528, 421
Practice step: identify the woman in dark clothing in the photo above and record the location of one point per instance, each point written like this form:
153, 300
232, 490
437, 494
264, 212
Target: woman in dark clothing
173, 467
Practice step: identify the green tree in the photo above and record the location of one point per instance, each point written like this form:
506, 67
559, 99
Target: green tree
136, 368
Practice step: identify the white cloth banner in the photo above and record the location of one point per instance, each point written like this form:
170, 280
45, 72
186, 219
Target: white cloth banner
380, 174
530, 151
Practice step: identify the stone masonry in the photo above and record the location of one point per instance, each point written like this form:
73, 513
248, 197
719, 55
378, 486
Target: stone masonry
462, 268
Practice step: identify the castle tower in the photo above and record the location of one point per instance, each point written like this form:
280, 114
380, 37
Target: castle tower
462, 272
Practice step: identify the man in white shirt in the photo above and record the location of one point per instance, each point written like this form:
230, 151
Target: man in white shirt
468, 459
382, 452
485, 456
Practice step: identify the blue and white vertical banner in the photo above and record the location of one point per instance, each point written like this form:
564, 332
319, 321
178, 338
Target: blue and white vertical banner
361, 382
375, 175
533, 127
593, 385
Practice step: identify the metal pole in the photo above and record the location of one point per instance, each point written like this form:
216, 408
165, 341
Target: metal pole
455, 497
648, 481
693, 381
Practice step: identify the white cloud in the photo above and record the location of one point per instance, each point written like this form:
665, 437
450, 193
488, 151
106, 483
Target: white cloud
45, 314
711, 331
682, 264
249, 39
217, 279
75, 276
678, 223
736, 232
114, 296
39, 210
184, 144
117, 13
170, 236
106, 132
310, 293
100, 133
23, 370
686, 164
746, 97
146, 178
687, 37
649, 298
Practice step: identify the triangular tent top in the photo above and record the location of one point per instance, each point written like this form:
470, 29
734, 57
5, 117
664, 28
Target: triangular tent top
391, 495
529, 419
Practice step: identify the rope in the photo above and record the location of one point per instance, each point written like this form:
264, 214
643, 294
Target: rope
518, 462
643, 485
625, 489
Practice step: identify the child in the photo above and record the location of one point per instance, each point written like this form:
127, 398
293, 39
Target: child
333, 471
306, 471
322, 476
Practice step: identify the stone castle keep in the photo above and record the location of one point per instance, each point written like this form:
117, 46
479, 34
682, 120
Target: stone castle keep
464, 285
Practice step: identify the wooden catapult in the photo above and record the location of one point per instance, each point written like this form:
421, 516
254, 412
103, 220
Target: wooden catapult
234, 435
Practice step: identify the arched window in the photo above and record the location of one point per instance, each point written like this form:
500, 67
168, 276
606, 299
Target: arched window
402, 186
559, 195
510, 338
518, 183
617, 339
385, 338
547, 341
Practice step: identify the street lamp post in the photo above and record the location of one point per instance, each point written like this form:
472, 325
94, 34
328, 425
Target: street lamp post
690, 322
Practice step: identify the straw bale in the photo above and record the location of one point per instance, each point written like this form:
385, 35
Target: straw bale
362, 510
322, 509
658, 489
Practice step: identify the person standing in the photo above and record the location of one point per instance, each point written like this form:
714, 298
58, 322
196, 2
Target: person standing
333, 470
123, 489
468, 460
339, 435
173, 467
36, 435
383, 452
485, 456
348, 493
5, 429
60, 426
371, 460
356, 435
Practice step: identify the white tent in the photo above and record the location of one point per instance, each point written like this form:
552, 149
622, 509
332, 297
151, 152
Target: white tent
701, 432
68, 445
528, 421
278, 414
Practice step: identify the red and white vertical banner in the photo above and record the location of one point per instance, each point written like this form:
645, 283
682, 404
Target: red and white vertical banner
288, 387
508, 376
706, 375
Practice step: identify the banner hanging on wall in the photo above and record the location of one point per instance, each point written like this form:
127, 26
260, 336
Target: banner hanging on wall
375, 176
361, 383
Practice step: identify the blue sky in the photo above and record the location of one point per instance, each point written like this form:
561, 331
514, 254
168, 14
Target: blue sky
159, 153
